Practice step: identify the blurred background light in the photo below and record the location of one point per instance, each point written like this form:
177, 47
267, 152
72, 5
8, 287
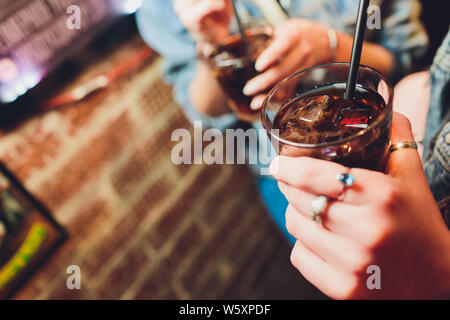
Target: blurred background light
8, 70
8, 95
19, 86
31, 79
128, 6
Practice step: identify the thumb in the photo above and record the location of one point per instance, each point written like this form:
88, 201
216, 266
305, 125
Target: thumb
404, 163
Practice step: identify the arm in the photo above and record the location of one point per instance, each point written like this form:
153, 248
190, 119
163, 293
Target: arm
195, 89
206, 94
373, 55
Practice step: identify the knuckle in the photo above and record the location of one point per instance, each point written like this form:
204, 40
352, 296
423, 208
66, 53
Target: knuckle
293, 257
379, 235
403, 120
347, 290
290, 223
270, 76
360, 263
283, 43
307, 49
305, 173
216, 5
390, 197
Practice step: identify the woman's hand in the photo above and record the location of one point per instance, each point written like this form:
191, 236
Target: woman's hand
206, 20
297, 44
390, 221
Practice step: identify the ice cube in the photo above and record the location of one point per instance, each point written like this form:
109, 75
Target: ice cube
356, 117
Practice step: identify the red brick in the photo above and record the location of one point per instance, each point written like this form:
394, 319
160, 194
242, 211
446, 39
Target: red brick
160, 233
124, 229
132, 173
151, 198
159, 282
211, 285
212, 251
87, 163
239, 183
156, 283
88, 220
123, 275
190, 239
80, 114
156, 98
140, 163
33, 152
171, 219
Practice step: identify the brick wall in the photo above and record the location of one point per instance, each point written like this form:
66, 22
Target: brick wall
139, 226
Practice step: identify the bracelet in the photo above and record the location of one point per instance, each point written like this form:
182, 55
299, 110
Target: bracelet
333, 40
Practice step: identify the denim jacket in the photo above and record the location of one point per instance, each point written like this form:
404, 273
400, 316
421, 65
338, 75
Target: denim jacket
437, 136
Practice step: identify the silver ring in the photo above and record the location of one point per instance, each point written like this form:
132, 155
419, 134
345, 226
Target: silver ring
318, 207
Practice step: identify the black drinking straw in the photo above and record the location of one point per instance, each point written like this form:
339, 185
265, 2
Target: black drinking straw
358, 40
239, 22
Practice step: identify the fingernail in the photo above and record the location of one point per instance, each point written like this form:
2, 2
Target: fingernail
255, 104
260, 64
274, 166
250, 89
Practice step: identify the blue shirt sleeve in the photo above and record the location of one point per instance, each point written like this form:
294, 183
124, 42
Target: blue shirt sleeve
162, 30
403, 34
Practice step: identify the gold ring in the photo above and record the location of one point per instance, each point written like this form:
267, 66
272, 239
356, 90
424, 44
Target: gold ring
403, 145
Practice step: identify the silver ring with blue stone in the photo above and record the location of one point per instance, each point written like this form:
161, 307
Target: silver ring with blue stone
347, 180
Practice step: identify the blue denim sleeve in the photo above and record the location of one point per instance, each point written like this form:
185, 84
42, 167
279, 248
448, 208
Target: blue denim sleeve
403, 34
437, 138
162, 30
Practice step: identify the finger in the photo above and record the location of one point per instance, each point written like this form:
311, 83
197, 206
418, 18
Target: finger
277, 49
338, 216
263, 81
182, 5
194, 14
269, 78
356, 223
319, 177
406, 162
257, 102
327, 279
332, 248
401, 128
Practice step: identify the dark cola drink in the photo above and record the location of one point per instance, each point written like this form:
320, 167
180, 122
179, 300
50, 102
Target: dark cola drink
233, 64
341, 129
